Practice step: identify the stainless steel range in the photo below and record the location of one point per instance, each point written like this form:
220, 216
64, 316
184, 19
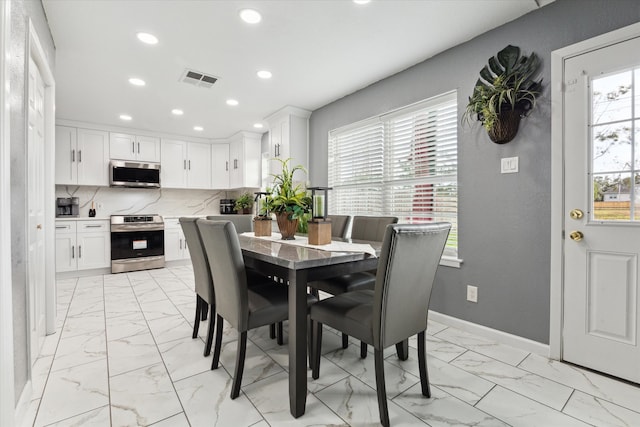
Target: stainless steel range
137, 242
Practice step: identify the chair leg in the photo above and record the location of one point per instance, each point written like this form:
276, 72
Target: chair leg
380, 387
402, 350
280, 334
317, 349
345, 340
203, 311
363, 350
272, 330
218, 345
212, 321
240, 355
422, 365
196, 322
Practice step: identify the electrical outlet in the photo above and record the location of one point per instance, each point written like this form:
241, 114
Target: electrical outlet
509, 165
472, 293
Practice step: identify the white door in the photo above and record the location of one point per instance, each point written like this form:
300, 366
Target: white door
199, 165
173, 167
601, 327
35, 210
93, 157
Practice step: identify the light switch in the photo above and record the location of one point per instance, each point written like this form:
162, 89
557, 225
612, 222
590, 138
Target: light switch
509, 165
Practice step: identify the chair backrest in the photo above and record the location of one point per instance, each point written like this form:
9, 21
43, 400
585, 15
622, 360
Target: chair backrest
243, 223
201, 271
227, 268
339, 225
406, 271
371, 227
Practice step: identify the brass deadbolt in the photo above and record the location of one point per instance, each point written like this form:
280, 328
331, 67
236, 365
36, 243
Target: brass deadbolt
576, 236
576, 214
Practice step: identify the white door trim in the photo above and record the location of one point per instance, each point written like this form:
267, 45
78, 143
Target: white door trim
7, 394
558, 58
39, 56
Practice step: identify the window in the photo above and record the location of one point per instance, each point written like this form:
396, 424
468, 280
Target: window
402, 164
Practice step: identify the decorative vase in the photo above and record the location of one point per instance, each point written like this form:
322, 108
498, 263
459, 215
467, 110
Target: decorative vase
262, 227
286, 226
506, 127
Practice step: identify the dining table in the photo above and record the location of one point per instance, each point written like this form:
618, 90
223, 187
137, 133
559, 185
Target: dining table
298, 264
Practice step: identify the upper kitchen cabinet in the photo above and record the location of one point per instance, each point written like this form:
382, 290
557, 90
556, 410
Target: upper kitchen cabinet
219, 166
244, 160
185, 164
288, 138
134, 147
82, 156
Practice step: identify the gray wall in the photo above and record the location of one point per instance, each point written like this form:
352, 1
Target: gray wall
504, 220
21, 10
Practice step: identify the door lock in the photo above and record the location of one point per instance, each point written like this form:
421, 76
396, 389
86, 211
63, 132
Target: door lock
576, 236
576, 214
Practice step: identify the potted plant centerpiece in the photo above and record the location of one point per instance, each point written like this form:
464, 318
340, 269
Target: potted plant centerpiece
288, 201
505, 92
244, 203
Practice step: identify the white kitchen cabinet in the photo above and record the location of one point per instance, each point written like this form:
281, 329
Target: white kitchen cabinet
219, 166
82, 156
82, 245
175, 244
245, 160
185, 164
134, 147
288, 138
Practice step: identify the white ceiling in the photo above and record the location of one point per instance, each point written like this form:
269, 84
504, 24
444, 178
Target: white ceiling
317, 50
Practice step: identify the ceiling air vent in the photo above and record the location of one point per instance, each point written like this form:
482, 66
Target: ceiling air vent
197, 78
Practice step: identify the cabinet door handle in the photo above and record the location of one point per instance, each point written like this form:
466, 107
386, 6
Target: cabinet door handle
79, 251
138, 148
79, 156
133, 147
93, 226
184, 164
189, 164
226, 166
180, 243
73, 252
235, 163
61, 227
73, 156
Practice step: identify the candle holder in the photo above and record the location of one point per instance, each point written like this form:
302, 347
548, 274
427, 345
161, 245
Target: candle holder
262, 220
319, 225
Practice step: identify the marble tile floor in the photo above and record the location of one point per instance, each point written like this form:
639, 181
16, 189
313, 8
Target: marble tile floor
123, 356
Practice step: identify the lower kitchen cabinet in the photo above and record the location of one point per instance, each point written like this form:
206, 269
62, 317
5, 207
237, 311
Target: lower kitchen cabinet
175, 244
82, 245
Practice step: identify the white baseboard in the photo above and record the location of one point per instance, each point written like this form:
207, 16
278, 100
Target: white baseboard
23, 405
493, 334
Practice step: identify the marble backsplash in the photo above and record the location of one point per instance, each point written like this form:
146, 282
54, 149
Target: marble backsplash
164, 201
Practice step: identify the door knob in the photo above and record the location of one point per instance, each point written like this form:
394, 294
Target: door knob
576, 214
39, 226
576, 236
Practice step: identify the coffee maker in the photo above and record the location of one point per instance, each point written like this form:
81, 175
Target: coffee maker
227, 206
67, 207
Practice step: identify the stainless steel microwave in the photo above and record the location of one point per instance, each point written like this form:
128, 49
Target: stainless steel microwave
123, 173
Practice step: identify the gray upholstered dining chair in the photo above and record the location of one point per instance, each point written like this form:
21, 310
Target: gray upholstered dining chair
370, 228
339, 225
396, 308
244, 307
205, 296
243, 223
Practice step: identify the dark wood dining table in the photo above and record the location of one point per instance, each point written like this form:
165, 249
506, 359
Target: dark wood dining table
300, 265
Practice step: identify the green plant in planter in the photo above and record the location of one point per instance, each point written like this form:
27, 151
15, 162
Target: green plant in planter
289, 201
244, 203
506, 89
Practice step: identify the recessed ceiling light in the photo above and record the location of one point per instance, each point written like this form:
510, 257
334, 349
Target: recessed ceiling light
232, 102
250, 16
147, 38
258, 125
198, 128
177, 112
264, 74
125, 117
361, 1
137, 82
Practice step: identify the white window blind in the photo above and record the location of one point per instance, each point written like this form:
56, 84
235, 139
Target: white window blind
400, 164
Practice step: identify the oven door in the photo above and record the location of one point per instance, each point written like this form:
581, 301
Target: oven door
136, 244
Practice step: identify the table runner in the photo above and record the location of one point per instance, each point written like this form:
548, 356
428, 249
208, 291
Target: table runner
304, 241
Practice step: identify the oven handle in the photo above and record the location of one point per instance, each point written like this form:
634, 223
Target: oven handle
115, 228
